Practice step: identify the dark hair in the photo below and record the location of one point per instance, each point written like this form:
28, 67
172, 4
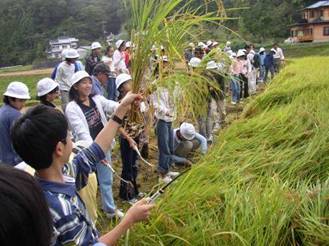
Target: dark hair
108, 49
43, 99
36, 134
6, 100
74, 95
247, 47
24, 213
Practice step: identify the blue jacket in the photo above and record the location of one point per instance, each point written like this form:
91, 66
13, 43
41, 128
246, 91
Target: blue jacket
269, 60
109, 92
8, 115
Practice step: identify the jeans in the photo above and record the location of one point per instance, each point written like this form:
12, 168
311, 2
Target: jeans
261, 73
111, 89
165, 144
105, 181
235, 88
269, 69
244, 89
129, 170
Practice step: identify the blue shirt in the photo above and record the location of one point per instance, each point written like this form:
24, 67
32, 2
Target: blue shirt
8, 115
71, 222
109, 92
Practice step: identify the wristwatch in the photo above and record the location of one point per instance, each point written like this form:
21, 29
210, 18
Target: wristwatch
117, 119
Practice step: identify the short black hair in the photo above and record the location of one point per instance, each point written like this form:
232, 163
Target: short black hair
36, 134
101, 68
5, 100
24, 213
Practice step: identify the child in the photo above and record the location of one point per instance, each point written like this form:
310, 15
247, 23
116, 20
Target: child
47, 91
41, 138
14, 100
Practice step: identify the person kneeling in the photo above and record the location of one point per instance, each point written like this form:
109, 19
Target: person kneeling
187, 140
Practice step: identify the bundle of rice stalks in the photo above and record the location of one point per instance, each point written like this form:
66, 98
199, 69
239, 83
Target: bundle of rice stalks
266, 181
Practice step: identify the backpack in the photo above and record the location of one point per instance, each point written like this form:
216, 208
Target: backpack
53, 74
256, 61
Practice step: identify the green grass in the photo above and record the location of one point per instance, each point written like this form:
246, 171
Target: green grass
16, 69
30, 81
306, 49
266, 181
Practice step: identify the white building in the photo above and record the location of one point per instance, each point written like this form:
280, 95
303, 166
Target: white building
61, 43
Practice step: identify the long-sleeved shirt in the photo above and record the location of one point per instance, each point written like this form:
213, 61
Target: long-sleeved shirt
119, 61
164, 105
64, 74
201, 139
8, 115
262, 59
278, 54
71, 222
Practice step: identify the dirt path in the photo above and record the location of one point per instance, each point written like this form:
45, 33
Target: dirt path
28, 73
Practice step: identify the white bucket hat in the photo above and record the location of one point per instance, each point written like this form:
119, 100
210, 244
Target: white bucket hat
187, 130
45, 86
165, 59
212, 65
129, 44
262, 49
240, 53
71, 54
194, 62
228, 43
95, 45
17, 90
202, 45
119, 43
209, 43
79, 76
122, 78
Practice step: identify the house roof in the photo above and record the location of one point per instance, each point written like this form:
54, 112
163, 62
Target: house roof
318, 4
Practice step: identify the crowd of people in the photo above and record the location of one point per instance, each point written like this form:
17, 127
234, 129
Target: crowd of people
96, 103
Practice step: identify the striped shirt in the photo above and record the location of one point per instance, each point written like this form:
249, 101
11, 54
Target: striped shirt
71, 221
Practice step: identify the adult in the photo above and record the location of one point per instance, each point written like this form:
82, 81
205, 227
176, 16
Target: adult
187, 140
41, 137
47, 91
119, 57
235, 79
14, 100
86, 114
253, 65
262, 55
269, 64
64, 73
94, 58
278, 58
102, 84
189, 52
243, 78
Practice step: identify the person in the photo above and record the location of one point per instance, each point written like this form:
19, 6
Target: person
128, 55
108, 60
102, 85
278, 58
243, 64
253, 65
94, 58
187, 140
227, 47
65, 71
188, 53
235, 79
47, 91
262, 55
119, 57
214, 74
129, 140
24, 213
269, 64
14, 100
86, 114
42, 139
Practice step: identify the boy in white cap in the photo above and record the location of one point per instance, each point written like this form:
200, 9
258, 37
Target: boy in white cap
14, 100
186, 140
47, 91
65, 71
94, 58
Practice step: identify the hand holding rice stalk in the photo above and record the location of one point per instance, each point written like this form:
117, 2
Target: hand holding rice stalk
172, 24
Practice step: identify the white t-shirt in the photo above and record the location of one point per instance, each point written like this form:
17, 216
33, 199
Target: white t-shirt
119, 61
64, 74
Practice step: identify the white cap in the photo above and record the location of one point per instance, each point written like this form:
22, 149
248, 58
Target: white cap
212, 65
191, 45
154, 48
187, 130
119, 43
215, 43
209, 43
194, 62
165, 59
122, 78
129, 44
233, 55
228, 43
240, 53
262, 49
79, 76
71, 54
202, 45
162, 47
96, 45
17, 90
45, 86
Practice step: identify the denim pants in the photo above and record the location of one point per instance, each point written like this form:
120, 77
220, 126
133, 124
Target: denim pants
165, 145
271, 70
129, 170
244, 89
235, 88
105, 181
262, 73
